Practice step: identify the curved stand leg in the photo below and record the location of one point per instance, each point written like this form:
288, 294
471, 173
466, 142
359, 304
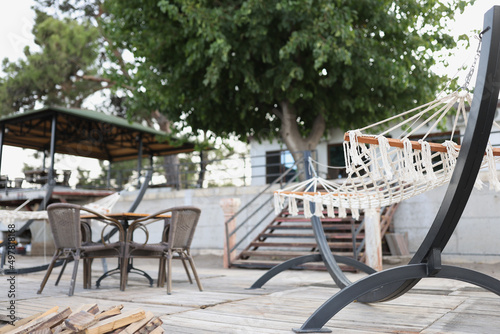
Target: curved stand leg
355, 264
285, 266
326, 254
306, 259
349, 294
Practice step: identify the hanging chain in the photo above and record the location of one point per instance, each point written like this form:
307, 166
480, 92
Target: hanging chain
476, 57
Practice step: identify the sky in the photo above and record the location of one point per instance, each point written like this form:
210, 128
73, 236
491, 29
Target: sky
466, 24
16, 23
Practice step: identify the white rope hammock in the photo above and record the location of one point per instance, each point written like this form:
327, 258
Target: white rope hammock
383, 171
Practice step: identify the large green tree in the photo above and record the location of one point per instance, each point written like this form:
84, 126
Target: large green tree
286, 68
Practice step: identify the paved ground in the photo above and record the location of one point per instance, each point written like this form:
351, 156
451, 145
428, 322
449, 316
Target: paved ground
227, 306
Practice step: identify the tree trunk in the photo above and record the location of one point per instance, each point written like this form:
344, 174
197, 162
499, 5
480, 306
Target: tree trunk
170, 162
203, 168
172, 173
291, 136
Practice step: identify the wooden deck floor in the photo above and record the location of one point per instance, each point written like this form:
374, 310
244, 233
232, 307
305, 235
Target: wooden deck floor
226, 306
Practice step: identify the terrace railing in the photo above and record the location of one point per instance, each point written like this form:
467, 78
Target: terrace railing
232, 239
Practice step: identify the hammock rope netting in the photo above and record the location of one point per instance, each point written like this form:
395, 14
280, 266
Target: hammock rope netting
384, 171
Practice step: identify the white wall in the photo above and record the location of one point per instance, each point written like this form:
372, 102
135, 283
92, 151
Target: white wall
258, 155
476, 237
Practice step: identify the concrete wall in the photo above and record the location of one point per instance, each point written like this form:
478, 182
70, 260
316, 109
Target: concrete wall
476, 238
209, 235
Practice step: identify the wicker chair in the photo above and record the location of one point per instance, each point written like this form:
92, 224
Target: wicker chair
68, 232
178, 231
86, 238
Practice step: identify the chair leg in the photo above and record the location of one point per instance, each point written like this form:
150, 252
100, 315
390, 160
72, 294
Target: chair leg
87, 273
61, 272
161, 273
123, 263
169, 272
85, 269
76, 258
186, 268
193, 267
164, 273
49, 270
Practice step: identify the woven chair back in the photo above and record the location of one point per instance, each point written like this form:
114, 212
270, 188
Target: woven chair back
184, 221
64, 221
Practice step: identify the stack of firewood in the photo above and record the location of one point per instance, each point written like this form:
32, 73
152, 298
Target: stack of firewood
87, 319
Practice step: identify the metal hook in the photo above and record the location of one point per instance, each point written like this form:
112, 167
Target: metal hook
478, 52
482, 32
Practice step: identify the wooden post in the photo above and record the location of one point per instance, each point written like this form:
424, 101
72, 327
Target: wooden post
373, 245
229, 206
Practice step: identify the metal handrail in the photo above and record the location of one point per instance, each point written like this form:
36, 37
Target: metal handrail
229, 234
258, 195
256, 225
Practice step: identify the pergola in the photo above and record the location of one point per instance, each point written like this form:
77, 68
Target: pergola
85, 133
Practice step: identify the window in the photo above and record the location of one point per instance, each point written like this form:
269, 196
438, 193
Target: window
277, 162
336, 159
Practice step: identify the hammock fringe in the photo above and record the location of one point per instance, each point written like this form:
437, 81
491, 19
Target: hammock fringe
382, 172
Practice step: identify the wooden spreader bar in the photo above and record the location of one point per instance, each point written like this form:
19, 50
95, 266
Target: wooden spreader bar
310, 193
435, 147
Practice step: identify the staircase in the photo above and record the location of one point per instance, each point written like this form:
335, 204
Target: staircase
289, 236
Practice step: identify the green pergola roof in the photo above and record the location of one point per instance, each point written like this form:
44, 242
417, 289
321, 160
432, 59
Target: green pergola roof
86, 133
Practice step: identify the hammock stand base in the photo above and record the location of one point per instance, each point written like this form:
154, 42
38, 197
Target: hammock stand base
297, 261
329, 260
392, 283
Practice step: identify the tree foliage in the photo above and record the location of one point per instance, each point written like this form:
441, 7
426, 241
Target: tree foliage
292, 68
252, 68
73, 59
58, 72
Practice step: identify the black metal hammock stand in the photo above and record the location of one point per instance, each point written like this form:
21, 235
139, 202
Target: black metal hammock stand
469, 159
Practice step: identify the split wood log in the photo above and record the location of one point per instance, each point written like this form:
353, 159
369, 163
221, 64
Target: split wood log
115, 322
151, 326
80, 321
63, 329
157, 330
8, 328
91, 308
134, 327
6, 318
47, 321
42, 331
114, 310
87, 319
